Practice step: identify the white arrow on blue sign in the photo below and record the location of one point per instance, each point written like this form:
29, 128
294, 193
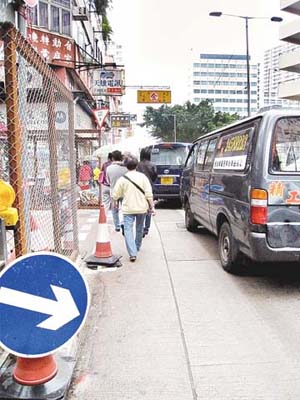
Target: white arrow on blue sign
43, 303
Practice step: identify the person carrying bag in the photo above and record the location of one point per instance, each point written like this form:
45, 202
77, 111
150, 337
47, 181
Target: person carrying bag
136, 191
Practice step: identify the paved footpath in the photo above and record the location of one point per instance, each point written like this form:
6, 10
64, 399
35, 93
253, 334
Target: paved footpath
132, 347
175, 326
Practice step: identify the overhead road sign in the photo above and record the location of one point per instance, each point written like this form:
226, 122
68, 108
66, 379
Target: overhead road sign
154, 96
43, 303
120, 120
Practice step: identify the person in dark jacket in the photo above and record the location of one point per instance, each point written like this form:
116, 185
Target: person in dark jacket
149, 169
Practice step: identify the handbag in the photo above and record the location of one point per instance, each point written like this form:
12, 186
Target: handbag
139, 188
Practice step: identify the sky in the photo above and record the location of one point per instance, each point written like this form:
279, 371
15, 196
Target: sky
162, 38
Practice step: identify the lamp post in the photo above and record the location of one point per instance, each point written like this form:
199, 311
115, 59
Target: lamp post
246, 19
175, 132
174, 126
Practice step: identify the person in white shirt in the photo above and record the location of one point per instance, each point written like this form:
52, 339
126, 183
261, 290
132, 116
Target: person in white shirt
136, 191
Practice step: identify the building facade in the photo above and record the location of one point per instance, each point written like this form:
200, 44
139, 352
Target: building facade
273, 76
290, 60
222, 79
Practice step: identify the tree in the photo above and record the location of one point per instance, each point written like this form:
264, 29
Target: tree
192, 120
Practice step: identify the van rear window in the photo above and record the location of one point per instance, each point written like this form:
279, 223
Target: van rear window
286, 145
232, 151
169, 156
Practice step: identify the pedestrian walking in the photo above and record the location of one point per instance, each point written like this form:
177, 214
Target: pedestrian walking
149, 169
136, 191
113, 172
105, 188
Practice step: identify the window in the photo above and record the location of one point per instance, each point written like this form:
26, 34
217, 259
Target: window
232, 150
43, 11
66, 22
210, 154
33, 15
196, 73
196, 82
191, 158
169, 156
285, 151
59, 12
196, 91
201, 154
55, 20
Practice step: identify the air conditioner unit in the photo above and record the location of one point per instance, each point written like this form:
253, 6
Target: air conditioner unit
80, 14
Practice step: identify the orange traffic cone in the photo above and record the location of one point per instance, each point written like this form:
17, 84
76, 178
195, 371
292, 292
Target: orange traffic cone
103, 253
34, 371
38, 241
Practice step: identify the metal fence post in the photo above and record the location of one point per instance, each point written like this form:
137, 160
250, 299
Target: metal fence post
71, 106
14, 137
3, 244
56, 214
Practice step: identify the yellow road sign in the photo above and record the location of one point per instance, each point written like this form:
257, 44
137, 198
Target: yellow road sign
154, 96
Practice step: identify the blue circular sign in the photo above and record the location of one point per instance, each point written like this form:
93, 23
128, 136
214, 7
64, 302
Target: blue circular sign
43, 303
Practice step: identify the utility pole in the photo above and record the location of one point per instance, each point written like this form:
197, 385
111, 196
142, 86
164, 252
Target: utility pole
175, 131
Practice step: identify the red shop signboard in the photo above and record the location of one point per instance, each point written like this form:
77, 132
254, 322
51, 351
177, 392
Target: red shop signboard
55, 49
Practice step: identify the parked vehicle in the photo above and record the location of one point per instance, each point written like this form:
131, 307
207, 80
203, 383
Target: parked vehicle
242, 183
169, 159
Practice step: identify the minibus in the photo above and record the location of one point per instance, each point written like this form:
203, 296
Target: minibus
169, 159
242, 183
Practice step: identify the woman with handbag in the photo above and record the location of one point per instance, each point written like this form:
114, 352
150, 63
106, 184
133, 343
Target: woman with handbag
136, 191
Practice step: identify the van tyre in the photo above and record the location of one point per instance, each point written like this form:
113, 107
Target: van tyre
228, 250
190, 222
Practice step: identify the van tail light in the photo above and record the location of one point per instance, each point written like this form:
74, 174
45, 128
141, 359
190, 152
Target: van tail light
259, 206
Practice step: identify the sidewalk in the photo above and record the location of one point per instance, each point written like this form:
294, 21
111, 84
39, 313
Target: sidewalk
131, 346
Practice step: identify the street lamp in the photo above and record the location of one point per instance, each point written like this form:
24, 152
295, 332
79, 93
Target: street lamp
174, 126
246, 18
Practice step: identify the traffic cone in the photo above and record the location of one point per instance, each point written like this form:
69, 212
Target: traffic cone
103, 252
34, 371
38, 241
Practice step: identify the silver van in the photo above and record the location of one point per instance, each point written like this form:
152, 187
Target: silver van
242, 183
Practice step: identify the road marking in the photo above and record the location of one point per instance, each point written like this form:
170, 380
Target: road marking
82, 236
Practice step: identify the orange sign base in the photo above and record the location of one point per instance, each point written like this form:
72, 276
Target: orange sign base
34, 371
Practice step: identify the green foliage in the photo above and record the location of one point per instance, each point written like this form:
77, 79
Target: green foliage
192, 120
106, 29
101, 6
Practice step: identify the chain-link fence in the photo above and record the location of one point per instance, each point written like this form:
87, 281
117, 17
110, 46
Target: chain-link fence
38, 150
87, 170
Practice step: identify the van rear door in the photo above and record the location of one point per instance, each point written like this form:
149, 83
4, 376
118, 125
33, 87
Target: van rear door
283, 223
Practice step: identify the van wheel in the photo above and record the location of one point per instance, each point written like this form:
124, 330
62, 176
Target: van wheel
190, 222
228, 250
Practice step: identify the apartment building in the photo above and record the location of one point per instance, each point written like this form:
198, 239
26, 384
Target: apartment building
222, 79
290, 61
69, 35
272, 76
